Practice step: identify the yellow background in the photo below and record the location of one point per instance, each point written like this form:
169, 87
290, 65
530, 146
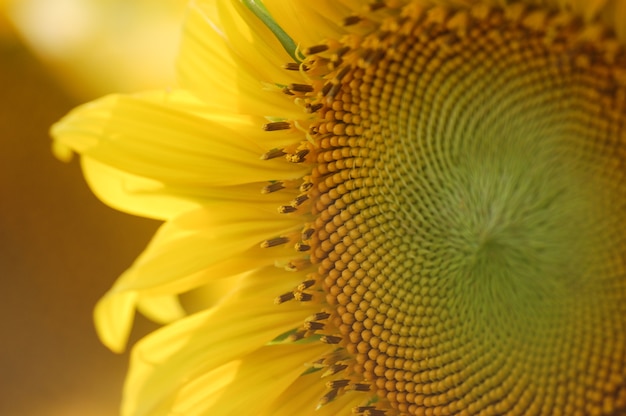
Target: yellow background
60, 249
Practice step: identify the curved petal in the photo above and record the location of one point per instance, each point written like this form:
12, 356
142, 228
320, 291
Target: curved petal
323, 19
163, 309
242, 81
260, 378
219, 232
303, 395
178, 257
163, 361
133, 194
151, 136
113, 317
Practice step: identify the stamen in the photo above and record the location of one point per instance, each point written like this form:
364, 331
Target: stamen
303, 88
326, 88
291, 66
335, 384
294, 66
334, 369
303, 296
331, 339
302, 247
285, 297
314, 326
306, 186
277, 125
273, 187
287, 209
298, 157
299, 200
312, 50
320, 316
305, 285
308, 233
376, 5
368, 411
327, 398
273, 242
361, 387
271, 154
351, 20
313, 108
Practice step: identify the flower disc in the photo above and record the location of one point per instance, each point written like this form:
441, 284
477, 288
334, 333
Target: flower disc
469, 198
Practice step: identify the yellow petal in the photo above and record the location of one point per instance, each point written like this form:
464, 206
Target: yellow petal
322, 19
205, 237
196, 345
303, 395
113, 318
179, 258
162, 309
150, 136
239, 81
132, 193
261, 377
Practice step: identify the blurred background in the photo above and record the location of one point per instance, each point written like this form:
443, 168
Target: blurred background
60, 248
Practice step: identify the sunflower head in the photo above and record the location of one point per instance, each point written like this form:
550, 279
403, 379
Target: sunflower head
440, 215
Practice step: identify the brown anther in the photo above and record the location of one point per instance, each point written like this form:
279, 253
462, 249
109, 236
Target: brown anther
320, 316
334, 369
308, 233
312, 50
341, 51
271, 154
335, 384
306, 284
285, 297
298, 157
291, 66
277, 125
361, 387
273, 187
333, 90
286, 209
299, 200
351, 20
302, 247
306, 186
331, 339
328, 397
314, 326
303, 296
304, 88
273, 242
312, 108
376, 5
344, 71
326, 88
287, 91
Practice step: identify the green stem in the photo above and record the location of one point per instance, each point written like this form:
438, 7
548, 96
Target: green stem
260, 11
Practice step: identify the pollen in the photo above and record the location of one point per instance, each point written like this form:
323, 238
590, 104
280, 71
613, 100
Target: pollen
467, 198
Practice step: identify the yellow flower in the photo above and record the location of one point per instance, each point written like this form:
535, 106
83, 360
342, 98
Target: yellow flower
418, 207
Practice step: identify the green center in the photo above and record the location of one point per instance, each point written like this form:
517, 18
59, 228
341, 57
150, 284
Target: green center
470, 206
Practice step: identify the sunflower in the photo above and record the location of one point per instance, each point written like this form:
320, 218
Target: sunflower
417, 207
